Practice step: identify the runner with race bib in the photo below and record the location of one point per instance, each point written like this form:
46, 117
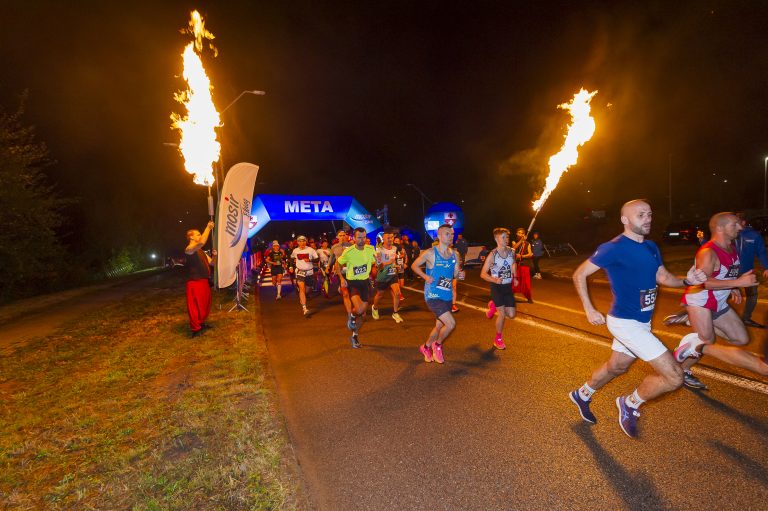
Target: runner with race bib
634, 267
355, 265
303, 256
500, 270
441, 268
386, 278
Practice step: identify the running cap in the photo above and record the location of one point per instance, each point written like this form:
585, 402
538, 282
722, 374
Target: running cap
301, 238
275, 242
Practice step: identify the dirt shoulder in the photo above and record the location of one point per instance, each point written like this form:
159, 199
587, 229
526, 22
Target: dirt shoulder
120, 409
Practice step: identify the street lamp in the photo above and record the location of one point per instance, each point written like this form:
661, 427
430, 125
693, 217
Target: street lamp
765, 186
254, 92
220, 169
423, 214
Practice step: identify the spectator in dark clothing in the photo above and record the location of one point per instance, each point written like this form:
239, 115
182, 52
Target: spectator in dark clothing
537, 248
461, 247
750, 245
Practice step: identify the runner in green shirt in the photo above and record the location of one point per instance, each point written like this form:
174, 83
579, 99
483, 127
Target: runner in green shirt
356, 262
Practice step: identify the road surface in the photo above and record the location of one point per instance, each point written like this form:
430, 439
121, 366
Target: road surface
378, 428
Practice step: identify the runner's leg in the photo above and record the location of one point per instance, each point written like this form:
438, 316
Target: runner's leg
735, 333
395, 290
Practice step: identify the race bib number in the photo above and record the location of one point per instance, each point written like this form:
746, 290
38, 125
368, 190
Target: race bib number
303, 273
391, 270
444, 283
648, 299
360, 270
733, 271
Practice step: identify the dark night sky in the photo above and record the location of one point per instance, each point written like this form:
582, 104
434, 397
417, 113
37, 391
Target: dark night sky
458, 98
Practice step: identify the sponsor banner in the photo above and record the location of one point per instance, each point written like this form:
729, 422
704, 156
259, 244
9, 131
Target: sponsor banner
444, 213
234, 217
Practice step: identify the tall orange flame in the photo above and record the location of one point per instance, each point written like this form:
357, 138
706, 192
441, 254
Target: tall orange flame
198, 144
580, 130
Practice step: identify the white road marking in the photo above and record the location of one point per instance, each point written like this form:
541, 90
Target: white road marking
738, 381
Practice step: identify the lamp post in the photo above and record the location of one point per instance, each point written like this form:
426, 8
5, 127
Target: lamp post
765, 182
220, 166
423, 213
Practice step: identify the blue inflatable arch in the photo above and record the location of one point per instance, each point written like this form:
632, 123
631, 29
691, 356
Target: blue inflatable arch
302, 208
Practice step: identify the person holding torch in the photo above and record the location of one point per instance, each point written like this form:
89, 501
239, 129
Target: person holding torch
198, 287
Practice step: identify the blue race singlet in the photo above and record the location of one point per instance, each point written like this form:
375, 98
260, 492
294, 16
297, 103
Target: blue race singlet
442, 274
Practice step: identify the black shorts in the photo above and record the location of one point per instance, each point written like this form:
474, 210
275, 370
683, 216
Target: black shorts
502, 295
383, 285
276, 269
301, 276
361, 288
439, 307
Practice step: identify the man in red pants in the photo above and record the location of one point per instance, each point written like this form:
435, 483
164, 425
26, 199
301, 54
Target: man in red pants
524, 256
198, 287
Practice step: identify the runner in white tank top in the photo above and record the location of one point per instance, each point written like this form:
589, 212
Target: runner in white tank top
500, 270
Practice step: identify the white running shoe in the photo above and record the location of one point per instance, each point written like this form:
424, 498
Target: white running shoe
687, 347
397, 317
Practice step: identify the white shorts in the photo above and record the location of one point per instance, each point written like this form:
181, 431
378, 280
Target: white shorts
634, 339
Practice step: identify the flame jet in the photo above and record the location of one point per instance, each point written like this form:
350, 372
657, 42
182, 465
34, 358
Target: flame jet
198, 144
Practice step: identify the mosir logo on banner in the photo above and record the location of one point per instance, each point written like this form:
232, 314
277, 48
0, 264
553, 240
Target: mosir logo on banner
308, 206
235, 215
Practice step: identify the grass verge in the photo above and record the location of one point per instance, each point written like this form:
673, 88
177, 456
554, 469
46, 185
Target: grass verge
121, 410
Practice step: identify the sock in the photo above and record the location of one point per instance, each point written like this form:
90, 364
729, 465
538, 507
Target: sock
585, 392
633, 400
304, 306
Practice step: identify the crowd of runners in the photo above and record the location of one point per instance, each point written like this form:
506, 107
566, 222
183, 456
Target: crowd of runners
366, 274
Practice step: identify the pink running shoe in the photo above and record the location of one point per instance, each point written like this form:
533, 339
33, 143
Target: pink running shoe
491, 309
426, 352
499, 344
437, 353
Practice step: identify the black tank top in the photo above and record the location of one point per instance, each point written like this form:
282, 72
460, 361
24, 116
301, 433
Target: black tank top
197, 265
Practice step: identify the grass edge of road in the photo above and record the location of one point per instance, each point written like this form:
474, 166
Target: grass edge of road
20, 308
120, 409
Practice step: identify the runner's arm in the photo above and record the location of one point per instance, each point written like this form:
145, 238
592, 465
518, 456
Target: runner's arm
694, 277
706, 261
425, 257
485, 272
586, 269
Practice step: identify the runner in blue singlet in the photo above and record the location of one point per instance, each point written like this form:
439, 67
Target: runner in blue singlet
441, 269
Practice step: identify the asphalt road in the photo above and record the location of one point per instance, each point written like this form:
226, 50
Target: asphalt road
378, 428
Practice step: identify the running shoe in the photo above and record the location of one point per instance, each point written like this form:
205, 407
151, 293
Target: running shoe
355, 341
454, 309
491, 309
374, 312
402, 298
397, 317
278, 297
306, 311
351, 322
426, 352
583, 407
678, 318
499, 344
627, 417
753, 324
437, 353
687, 347
692, 382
